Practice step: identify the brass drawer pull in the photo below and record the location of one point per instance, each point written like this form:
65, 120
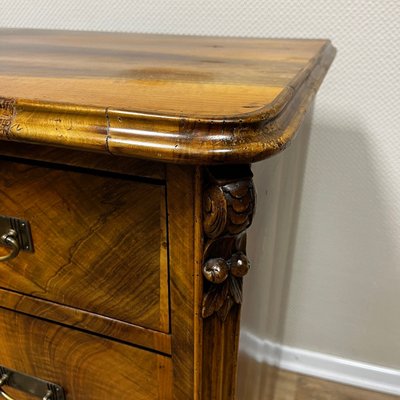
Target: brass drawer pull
9, 239
15, 233
4, 378
37, 387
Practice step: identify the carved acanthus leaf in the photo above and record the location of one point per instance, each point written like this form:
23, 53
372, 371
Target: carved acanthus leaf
228, 208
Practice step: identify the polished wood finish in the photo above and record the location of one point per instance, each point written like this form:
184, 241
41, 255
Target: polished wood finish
97, 240
184, 216
220, 346
84, 159
170, 74
228, 208
111, 145
86, 366
87, 321
168, 98
310, 388
288, 385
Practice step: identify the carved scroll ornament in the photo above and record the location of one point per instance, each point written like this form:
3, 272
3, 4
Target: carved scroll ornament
228, 207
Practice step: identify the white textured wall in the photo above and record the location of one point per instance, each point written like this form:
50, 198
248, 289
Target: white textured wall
344, 292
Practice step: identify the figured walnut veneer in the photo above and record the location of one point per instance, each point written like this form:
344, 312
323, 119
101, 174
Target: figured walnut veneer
87, 240
88, 367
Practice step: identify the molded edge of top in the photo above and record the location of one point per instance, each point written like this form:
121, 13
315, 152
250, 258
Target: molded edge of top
243, 138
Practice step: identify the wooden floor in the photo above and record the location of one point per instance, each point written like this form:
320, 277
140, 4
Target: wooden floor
291, 386
262, 382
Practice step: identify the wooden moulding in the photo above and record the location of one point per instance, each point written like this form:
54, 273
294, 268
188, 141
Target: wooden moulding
242, 138
84, 159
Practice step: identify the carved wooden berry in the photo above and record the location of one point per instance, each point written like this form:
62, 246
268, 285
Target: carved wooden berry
239, 265
216, 270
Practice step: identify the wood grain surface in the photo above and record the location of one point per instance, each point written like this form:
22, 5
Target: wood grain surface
100, 241
181, 99
87, 321
113, 251
184, 220
151, 73
263, 382
84, 159
310, 388
86, 366
228, 208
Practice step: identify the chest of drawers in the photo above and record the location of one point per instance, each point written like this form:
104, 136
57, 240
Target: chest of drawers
125, 194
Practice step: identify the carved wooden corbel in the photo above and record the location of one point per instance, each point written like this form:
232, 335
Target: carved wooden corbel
228, 208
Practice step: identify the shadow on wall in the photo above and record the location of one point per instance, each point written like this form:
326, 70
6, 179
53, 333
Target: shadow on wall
271, 242
346, 277
329, 283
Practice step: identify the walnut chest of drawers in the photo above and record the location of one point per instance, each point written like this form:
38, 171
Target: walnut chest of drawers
125, 194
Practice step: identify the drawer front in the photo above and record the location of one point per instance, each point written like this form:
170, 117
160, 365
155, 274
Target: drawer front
99, 241
86, 366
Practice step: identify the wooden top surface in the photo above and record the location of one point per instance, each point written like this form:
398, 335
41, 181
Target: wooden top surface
159, 74
173, 94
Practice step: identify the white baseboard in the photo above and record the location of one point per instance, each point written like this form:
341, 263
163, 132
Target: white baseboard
367, 376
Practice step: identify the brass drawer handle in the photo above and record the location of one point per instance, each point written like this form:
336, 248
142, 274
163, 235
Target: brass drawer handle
15, 233
6, 396
4, 379
10, 240
34, 386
